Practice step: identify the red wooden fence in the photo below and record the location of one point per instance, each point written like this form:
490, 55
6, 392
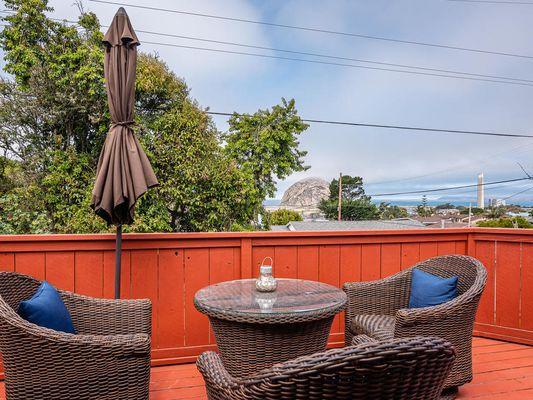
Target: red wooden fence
170, 268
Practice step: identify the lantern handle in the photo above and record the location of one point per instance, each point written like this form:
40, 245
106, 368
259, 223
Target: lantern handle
264, 259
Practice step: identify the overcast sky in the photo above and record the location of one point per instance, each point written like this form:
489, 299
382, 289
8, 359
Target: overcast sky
384, 158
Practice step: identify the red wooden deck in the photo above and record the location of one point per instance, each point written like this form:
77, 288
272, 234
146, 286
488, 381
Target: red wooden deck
502, 371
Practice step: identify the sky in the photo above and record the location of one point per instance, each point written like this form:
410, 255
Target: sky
388, 160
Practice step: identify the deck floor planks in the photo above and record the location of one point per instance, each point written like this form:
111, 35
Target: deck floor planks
502, 371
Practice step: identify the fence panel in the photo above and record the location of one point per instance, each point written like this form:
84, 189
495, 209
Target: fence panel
170, 268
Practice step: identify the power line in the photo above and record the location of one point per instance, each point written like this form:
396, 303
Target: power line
494, 2
468, 75
494, 185
477, 162
336, 63
517, 193
318, 30
381, 125
313, 54
329, 56
449, 188
411, 128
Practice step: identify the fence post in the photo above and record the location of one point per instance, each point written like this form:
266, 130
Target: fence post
246, 258
470, 244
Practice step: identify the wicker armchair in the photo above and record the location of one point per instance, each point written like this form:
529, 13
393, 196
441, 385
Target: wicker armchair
379, 310
109, 358
400, 369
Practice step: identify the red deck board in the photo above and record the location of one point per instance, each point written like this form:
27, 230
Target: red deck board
502, 371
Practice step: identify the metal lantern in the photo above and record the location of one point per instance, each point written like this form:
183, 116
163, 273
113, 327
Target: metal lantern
266, 282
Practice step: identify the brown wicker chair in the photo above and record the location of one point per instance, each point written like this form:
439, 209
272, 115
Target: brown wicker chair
399, 369
379, 309
109, 358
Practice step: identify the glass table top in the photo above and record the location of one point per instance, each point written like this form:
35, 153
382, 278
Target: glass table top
291, 296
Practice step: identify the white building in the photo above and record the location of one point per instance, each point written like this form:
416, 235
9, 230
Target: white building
496, 202
480, 191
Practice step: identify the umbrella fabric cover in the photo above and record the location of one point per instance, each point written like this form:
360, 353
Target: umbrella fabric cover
124, 172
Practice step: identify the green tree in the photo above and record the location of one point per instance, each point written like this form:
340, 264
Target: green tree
352, 188
265, 146
515, 222
283, 216
54, 119
424, 210
64, 193
8, 170
473, 210
444, 206
355, 204
58, 95
388, 211
496, 212
201, 188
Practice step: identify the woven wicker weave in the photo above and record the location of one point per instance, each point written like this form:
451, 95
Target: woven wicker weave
452, 321
400, 369
250, 341
109, 358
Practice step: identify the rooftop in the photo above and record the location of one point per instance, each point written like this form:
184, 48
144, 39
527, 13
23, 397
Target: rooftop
403, 223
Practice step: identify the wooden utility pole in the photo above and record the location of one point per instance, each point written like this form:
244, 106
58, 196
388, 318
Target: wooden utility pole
339, 208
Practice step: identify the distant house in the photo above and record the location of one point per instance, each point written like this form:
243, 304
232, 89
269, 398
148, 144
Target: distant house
447, 211
452, 220
300, 226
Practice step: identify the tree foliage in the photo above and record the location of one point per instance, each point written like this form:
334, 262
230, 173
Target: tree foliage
283, 216
352, 188
496, 212
473, 210
423, 209
514, 222
54, 119
444, 206
265, 146
355, 204
388, 211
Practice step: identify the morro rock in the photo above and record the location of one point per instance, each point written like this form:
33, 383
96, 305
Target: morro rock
306, 193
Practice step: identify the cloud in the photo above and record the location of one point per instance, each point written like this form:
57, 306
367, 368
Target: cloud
242, 83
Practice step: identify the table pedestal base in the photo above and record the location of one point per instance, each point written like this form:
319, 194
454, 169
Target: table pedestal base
246, 348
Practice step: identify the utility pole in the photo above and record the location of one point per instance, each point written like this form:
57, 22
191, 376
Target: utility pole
339, 208
470, 215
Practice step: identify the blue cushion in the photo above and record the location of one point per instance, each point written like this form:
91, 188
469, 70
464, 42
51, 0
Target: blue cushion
46, 309
429, 290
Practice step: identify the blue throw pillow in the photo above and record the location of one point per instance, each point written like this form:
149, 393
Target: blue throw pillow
46, 309
429, 290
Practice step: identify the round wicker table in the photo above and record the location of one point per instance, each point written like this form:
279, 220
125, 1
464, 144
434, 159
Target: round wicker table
256, 330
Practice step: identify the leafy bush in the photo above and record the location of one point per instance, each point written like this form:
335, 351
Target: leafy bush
355, 204
284, 216
54, 119
515, 222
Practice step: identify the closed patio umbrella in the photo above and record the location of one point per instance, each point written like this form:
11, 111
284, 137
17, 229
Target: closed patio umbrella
124, 172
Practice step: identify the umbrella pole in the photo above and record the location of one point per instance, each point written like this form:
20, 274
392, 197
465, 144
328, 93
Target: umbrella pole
118, 259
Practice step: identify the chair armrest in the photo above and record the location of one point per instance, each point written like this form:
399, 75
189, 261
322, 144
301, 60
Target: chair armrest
383, 297
215, 375
120, 346
59, 345
103, 317
362, 339
465, 303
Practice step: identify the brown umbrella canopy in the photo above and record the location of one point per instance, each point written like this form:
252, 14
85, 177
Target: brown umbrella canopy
124, 172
